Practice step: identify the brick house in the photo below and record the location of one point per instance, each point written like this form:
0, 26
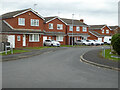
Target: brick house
55, 29
99, 32
75, 30
24, 28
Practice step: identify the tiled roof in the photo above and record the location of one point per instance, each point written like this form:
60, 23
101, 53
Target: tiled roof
75, 22
113, 27
95, 27
48, 18
11, 14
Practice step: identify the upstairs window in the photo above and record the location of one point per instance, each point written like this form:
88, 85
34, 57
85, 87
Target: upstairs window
34, 22
21, 21
70, 28
84, 29
103, 31
50, 26
59, 26
107, 31
77, 28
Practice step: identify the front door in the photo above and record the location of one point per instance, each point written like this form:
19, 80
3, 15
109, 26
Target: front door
24, 40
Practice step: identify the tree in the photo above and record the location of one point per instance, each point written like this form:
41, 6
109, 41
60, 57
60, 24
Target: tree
115, 42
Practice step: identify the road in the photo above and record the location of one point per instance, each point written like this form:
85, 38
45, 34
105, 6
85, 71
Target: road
59, 69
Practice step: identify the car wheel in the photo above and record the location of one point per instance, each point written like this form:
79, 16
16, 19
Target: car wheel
51, 44
44, 44
83, 44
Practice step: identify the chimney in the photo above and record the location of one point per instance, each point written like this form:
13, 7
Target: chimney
81, 20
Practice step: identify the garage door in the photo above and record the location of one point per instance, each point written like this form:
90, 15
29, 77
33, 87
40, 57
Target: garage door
44, 38
11, 39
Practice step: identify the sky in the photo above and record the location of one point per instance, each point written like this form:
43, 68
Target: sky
94, 12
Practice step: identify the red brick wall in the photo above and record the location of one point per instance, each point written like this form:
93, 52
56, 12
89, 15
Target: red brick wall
74, 30
19, 44
28, 16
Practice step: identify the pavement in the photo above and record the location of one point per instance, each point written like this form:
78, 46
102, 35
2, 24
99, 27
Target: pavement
58, 69
32, 52
93, 57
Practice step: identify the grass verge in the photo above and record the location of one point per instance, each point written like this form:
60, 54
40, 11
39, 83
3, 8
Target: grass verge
14, 52
108, 55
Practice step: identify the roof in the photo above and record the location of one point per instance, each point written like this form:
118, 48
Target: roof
11, 14
49, 18
96, 34
96, 27
18, 12
4, 28
114, 27
75, 22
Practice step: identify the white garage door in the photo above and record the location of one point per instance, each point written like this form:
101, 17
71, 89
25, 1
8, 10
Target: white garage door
44, 38
11, 39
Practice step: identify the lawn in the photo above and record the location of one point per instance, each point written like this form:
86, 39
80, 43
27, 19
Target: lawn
15, 51
38, 47
108, 55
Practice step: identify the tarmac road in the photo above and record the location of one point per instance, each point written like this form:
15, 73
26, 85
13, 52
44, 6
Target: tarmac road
59, 69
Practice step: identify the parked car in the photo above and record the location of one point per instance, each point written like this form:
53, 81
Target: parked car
107, 40
86, 42
78, 42
51, 43
101, 43
94, 42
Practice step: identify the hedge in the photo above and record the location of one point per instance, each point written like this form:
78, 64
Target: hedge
115, 42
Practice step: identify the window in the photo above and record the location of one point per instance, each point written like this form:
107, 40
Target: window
34, 22
84, 29
59, 26
59, 38
70, 28
18, 38
34, 38
103, 31
77, 28
21, 21
107, 31
50, 26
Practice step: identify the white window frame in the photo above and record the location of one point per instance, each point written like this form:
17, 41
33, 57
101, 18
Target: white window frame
51, 26
61, 26
18, 38
21, 21
70, 28
77, 28
33, 39
34, 22
59, 38
84, 29
107, 31
103, 31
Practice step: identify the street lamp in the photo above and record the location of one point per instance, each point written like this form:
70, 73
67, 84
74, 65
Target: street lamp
72, 28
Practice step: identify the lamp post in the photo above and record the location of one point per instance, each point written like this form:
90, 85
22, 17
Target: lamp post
72, 28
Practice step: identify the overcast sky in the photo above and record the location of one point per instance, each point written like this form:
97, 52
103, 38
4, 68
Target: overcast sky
92, 11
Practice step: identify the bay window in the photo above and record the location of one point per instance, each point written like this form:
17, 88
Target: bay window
34, 37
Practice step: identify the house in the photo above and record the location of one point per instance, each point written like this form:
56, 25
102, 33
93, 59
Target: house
23, 28
55, 29
75, 30
99, 32
115, 29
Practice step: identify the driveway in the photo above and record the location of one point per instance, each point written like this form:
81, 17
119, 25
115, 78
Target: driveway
59, 69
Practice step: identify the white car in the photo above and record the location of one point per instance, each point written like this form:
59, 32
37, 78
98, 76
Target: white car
94, 42
86, 42
101, 43
51, 43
